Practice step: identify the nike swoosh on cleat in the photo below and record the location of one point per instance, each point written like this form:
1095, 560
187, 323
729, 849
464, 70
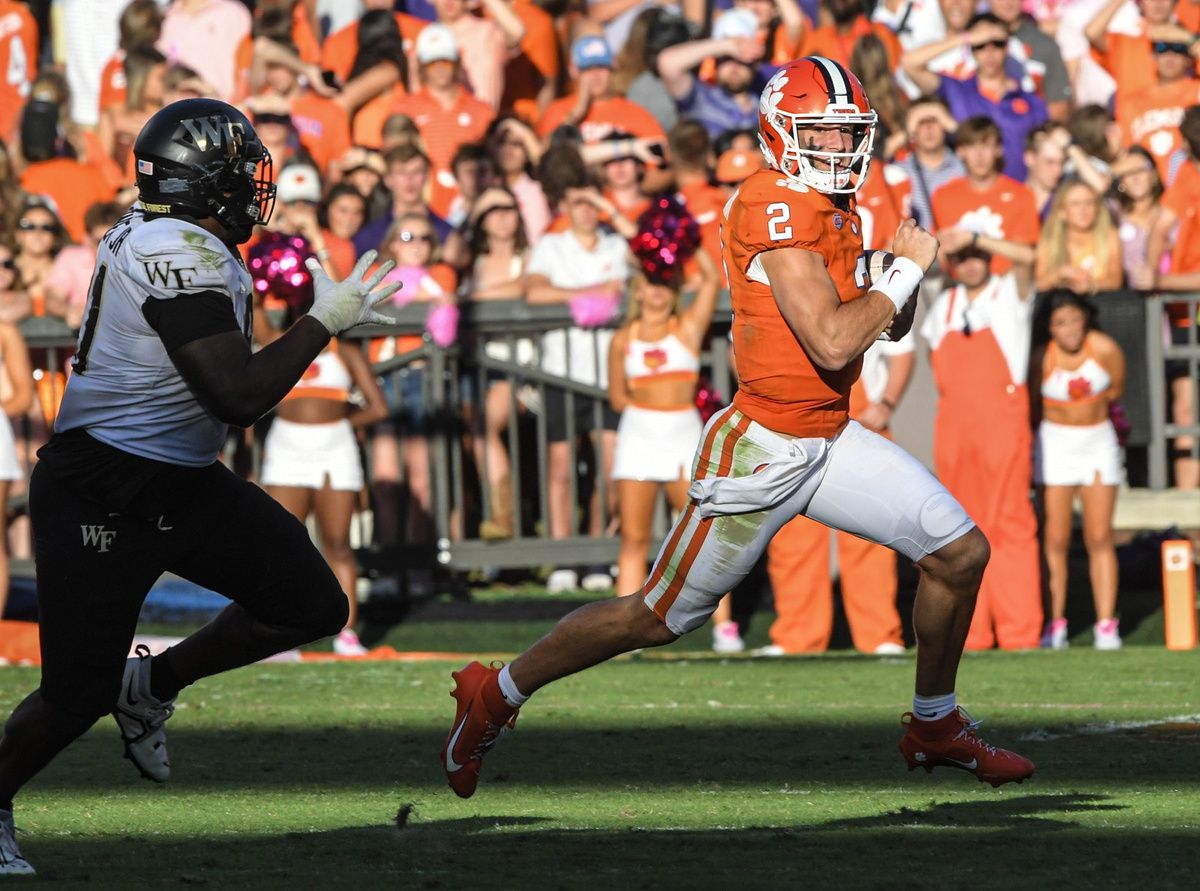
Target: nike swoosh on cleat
453, 766
965, 765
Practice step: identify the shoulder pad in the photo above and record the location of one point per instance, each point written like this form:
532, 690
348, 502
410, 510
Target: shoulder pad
174, 256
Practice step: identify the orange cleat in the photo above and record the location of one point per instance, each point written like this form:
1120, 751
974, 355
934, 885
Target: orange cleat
481, 719
952, 742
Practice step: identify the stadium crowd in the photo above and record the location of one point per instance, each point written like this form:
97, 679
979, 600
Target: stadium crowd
513, 149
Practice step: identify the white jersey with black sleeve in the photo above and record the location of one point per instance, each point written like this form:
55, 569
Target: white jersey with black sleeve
159, 282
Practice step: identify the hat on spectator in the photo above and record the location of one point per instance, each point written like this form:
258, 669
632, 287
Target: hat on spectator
739, 22
737, 164
436, 43
591, 51
298, 182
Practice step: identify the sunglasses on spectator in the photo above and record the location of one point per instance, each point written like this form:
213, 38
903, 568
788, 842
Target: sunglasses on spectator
8, 263
999, 43
31, 226
1164, 46
407, 237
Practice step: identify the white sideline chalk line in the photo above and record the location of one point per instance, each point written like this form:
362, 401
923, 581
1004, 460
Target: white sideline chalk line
1108, 727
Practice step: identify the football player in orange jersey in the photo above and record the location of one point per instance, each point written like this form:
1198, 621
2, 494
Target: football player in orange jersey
804, 313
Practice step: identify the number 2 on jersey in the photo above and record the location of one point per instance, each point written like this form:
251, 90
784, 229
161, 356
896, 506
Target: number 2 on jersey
778, 214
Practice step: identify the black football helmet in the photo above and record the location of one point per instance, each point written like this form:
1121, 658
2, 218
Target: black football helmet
201, 158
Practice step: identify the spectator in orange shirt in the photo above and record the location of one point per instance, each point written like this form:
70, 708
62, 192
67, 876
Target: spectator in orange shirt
986, 209
531, 76
377, 74
343, 212
446, 115
341, 48
781, 26
1151, 117
485, 43
841, 24
273, 124
276, 40
1129, 57
691, 163
1079, 248
298, 200
19, 62
596, 109
321, 124
1181, 215
140, 25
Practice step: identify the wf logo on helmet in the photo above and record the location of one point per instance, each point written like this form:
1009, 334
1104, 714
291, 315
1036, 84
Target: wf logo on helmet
213, 130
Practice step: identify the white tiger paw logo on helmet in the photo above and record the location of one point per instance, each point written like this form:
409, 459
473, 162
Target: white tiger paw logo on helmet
772, 93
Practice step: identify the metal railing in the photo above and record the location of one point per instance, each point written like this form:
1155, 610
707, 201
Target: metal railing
1160, 351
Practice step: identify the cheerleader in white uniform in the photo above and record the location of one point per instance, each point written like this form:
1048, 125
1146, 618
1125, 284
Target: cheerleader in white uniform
654, 366
1076, 453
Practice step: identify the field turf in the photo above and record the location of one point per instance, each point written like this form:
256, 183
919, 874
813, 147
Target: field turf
671, 769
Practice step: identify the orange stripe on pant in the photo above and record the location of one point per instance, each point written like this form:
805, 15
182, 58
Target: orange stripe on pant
696, 541
798, 566
664, 557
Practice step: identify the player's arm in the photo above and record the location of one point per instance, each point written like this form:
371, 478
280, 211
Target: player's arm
206, 343
834, 333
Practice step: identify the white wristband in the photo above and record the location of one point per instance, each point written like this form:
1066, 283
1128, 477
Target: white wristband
900, 282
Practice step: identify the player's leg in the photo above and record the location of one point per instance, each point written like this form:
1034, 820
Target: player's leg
240, 542
702, 558
94, 570
874, 489
798, 567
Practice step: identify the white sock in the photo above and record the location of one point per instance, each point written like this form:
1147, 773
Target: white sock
930, 708
509, 691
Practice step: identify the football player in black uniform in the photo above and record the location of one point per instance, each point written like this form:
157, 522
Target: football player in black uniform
130, 486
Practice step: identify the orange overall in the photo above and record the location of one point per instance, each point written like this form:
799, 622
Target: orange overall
983, 455
798, 566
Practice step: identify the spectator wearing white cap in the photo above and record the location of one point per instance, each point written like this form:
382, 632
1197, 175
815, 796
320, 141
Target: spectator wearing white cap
297, 199
731, 103
446, 115
484, 43
596, 109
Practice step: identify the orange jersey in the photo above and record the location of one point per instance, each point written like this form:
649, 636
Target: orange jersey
603, 118
706, 203
323, 127
829, 43
778, 384
18, 61
341, 47
1004, 210
1183, 199
442, 129
112, 82
1130, 60
73, 186
1151, 118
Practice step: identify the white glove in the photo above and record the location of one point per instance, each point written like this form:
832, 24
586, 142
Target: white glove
340, 306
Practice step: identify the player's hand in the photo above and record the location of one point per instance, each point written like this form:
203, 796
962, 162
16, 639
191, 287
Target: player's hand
916, 244
340, 306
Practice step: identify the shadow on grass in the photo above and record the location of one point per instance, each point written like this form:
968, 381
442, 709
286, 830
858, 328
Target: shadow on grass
980, 845
639, 749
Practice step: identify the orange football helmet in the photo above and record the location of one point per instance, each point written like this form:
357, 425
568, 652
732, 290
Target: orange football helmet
812, 92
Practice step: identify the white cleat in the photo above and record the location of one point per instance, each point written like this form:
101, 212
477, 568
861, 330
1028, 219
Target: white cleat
11, 861
141, 717
726, 638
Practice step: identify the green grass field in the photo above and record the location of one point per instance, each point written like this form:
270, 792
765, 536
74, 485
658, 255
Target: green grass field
666, 770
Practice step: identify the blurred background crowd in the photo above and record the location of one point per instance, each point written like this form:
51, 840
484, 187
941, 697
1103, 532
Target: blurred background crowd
510, 150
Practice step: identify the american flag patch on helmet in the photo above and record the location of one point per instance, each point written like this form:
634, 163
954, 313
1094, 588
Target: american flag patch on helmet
146, 167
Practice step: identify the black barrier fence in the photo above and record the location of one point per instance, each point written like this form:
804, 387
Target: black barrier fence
502, 344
